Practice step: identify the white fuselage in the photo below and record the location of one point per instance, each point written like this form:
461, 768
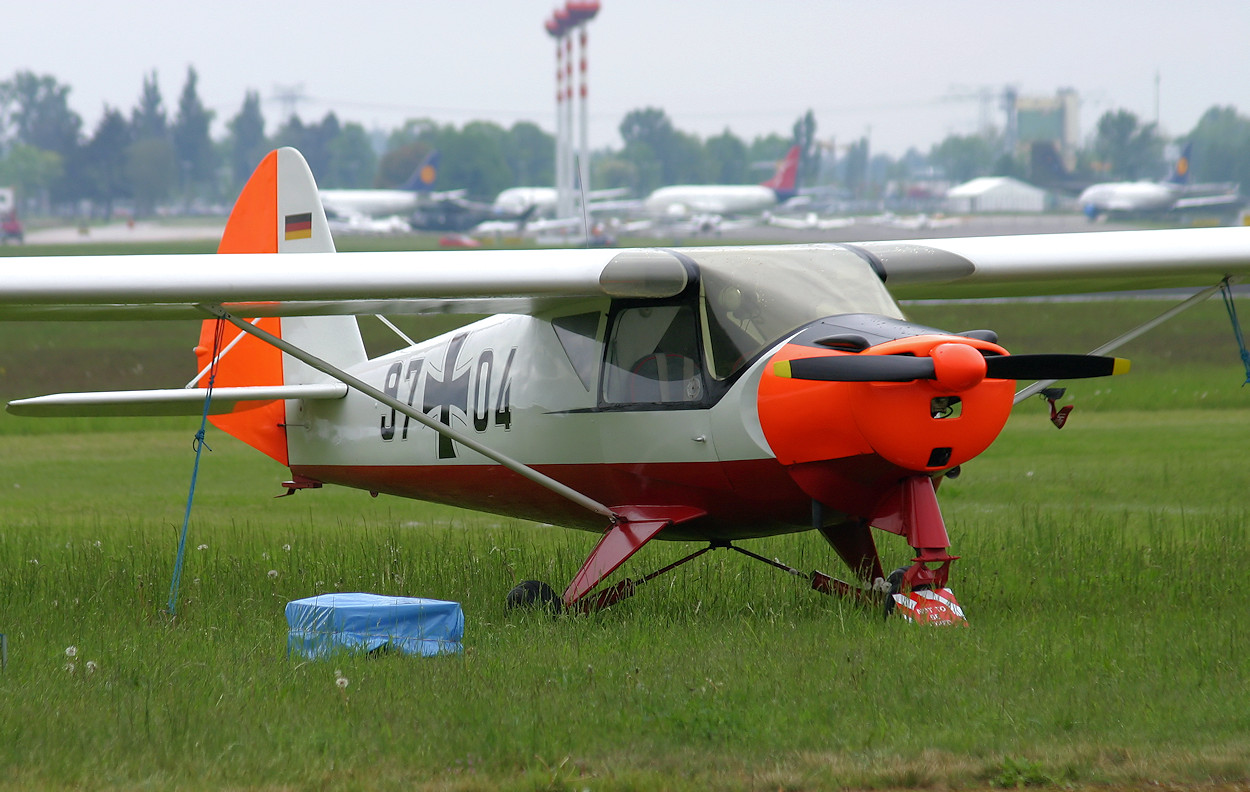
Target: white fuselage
509, 383
682, 200
369, 203
1128, 197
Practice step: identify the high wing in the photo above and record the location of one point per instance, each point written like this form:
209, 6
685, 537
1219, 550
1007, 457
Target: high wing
1025, 265
532, 281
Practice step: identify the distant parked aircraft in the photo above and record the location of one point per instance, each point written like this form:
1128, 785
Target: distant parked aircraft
1146, 197
683, 200
347, 204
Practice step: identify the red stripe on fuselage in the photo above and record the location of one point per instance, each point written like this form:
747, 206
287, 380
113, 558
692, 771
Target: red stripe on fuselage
742, 499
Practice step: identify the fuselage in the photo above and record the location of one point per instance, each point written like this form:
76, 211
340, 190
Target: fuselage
685, 199
1126, 197
369, 202
666, 404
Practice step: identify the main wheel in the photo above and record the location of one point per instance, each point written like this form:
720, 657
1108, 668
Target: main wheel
534, 594
895, 579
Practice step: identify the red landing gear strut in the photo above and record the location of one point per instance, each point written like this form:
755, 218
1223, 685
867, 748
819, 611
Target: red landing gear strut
920, 593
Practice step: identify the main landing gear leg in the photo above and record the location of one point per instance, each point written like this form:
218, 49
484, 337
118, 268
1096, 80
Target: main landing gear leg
920, 593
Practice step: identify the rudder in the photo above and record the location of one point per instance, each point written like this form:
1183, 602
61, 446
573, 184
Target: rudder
278, 211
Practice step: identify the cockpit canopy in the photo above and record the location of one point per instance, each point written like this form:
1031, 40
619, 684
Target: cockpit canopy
753, 297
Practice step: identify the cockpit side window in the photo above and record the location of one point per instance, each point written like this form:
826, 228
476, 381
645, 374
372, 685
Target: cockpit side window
653, 357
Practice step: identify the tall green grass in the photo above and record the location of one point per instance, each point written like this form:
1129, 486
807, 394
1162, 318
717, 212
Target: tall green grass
1101, 572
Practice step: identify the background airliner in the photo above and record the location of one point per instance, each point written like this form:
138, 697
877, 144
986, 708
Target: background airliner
683, 200
1146, 197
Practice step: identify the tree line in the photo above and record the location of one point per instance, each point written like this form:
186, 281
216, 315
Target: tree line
153, 157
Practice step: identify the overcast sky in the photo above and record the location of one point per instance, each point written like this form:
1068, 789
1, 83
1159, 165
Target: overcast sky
905, 73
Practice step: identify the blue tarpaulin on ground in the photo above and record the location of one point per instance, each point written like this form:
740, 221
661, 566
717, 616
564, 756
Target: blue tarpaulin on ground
328, 623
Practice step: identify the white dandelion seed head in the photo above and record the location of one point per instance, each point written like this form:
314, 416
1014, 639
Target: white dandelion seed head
69, 668
202, 547
342, 683
265, 556
286, 548
273, 573
91, 666
71, 651
97, 543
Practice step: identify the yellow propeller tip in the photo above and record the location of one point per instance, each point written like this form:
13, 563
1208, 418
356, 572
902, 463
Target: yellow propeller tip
782, 368
1121, 366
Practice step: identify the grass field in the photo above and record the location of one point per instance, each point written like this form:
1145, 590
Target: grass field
1101, 571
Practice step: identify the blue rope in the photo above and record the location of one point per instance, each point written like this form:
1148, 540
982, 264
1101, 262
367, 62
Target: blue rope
199, 445
1227, 293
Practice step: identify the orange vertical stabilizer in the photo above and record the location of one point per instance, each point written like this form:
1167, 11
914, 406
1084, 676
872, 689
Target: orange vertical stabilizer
251, 228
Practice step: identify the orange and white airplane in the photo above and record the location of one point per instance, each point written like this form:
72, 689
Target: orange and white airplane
708, 395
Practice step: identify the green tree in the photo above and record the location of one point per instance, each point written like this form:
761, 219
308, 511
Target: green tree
32, 170
766, 150
193, 145
473, 159
152, 172
649, 139
1221, 142
148, 118
661, 154
248, 145
1130, 150
106, 154
853, 168
530, 154
312, 140
809, 152
35, 110
352, 159
727, 158
399, 162
964, 157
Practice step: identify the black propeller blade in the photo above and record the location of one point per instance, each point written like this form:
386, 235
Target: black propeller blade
904, 368
858, 368
1040, 367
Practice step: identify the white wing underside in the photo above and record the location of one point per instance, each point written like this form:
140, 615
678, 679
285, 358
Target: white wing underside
533, 281
174, 401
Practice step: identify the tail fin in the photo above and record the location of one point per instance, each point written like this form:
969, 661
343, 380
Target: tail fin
785, 181
278, 211
1180, 172
423, 178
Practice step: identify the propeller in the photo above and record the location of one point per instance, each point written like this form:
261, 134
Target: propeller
905, 368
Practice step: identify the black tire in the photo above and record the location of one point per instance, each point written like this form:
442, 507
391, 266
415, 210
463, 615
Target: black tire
534, 594
895, 579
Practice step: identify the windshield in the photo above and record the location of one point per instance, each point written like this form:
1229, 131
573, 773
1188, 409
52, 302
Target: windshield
753, 297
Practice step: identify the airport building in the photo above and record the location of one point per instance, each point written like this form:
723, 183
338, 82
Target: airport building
996, 194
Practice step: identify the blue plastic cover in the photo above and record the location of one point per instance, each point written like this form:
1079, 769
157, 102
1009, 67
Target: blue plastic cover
327, 623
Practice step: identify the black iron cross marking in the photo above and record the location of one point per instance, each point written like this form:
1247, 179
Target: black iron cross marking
450, 391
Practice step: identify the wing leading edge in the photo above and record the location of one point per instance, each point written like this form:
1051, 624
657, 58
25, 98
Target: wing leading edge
531, 281
1008, 266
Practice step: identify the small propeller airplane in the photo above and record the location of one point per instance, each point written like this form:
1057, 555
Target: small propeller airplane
709, 395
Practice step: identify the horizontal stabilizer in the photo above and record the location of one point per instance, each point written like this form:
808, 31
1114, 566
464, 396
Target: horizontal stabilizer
173, 401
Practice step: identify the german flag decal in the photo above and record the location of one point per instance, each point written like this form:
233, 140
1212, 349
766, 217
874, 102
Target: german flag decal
299, 226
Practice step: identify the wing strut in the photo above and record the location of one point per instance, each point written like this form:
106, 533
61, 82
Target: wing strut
416, 414
1037, 387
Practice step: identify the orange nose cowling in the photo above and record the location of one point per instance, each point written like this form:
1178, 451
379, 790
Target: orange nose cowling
808, 421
